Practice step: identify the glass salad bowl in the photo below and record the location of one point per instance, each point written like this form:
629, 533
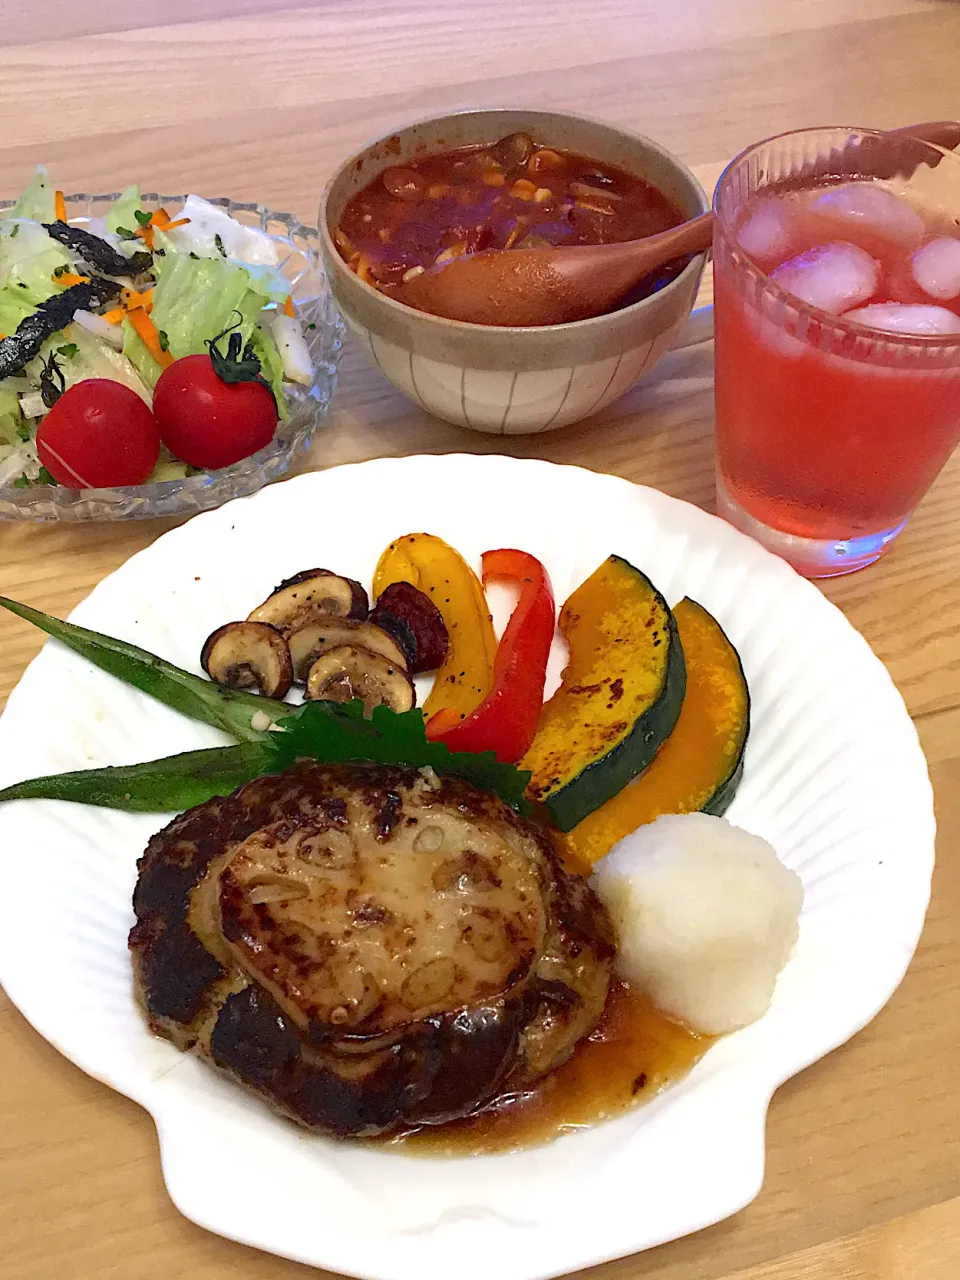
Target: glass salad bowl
299, 260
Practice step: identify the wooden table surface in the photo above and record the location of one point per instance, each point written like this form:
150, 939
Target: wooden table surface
258, 98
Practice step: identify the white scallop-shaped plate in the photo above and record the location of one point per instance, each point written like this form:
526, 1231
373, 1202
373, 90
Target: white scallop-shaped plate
834, 778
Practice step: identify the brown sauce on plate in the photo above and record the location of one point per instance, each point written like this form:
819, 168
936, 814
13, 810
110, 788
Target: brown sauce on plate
634, 1053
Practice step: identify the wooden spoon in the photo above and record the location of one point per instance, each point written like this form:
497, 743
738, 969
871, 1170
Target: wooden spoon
509, 287
550, 285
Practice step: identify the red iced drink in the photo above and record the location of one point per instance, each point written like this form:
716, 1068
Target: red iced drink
837, 302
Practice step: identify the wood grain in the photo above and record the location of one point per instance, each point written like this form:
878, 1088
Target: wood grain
262, 98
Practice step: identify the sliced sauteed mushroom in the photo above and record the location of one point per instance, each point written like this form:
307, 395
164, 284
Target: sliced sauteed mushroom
313, 639
350, 671
249, 655
311, 594
416, 624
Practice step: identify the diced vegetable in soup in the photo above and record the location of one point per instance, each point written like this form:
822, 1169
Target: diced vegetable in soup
516, 194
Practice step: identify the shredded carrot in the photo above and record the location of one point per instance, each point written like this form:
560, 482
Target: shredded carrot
67, 278
288, 307
2, 336
130, 299
114, 316
59, 207
159, 221
150, 336
145, 230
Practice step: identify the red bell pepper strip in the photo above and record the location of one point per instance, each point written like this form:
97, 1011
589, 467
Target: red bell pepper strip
506, 721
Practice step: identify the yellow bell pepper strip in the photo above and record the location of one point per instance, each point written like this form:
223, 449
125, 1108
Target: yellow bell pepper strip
440, 572
506, 721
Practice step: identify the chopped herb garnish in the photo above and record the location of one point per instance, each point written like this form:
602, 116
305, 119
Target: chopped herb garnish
142, 218
21, 285
23, 431
21, 482
194, 256
219, 243
126, 234
16, 231
159, 253
45, 477
68, 350
58, 272
163, 340
311, 325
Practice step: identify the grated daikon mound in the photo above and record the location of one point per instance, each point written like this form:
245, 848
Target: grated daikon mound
706, 916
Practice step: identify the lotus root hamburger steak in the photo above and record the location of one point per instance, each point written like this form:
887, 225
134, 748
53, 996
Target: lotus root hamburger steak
368, 948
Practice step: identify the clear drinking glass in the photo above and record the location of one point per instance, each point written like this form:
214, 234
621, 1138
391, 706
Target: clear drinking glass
323, 330
829, 431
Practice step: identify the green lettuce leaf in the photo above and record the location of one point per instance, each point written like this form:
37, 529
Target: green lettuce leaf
38, 200
123, 211
10, 418
195, 299
135, 350
270, 281
28, 261
14, 307
168, 469
271, 367
93, 357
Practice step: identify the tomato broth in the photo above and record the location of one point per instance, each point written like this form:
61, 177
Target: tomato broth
516, 194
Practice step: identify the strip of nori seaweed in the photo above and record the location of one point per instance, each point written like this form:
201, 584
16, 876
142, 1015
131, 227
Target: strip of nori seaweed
49, 317
96, 252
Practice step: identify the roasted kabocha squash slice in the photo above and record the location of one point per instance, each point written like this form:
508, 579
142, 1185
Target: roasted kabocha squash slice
619, 697
699, 766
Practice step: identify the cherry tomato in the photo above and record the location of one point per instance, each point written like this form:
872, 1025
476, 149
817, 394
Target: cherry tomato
99, 435
207, 422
